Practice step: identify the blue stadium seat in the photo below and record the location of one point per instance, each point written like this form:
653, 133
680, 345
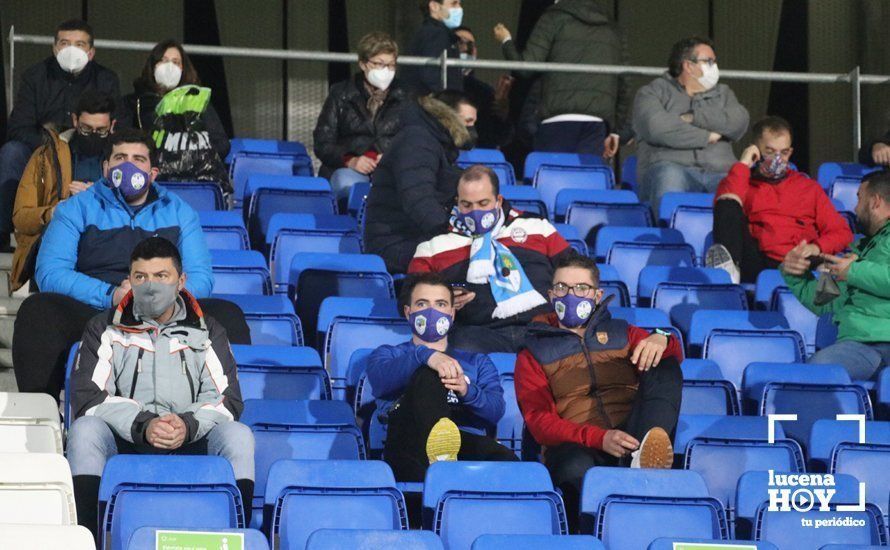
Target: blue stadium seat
512, 424
289, 242
803, 320
281, 372
705, 426
629, 172
303, 496
696, 223
668, 544
537, 542
348, 334
502, 169
651, 276
610, 234
358, 194
701, 369
734, 350
224, 230
704, 321
646, 318
372, 423
551, 180
588, 216
178, 492
882, 392
200, 195
682, 300
240, 145
630, 259
784, 529
481, 155
570, 234
535, 159
298, 429
767, 282
845, 189
673, 200
612, 285
525, 198
758, 374
671, 503
145, 538
309, 222
69, 370
330, 539
246, 164
870, 464
706, 391
271, 319
826, 434
340, 306
463, 500
829, 171
265, 196
240, 272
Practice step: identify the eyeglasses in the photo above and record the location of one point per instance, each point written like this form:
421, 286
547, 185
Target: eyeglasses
710, 61
381, 65
87, 131
581, 290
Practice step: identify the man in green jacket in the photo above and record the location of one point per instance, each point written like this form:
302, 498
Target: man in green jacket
862, 310
579, 113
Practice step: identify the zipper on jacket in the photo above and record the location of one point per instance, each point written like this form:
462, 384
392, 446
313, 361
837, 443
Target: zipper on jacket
188, 375
599, 400
136, 374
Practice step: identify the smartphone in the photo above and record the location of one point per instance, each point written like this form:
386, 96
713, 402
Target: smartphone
459, 288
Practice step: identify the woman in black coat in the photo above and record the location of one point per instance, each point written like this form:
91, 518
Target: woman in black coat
360, 116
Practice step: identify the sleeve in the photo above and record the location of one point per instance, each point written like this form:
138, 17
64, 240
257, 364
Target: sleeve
635, 335
28, 216
325, 135
219, 140
57, 260
538, 47
390, 367
94, 386
23, 124
834, 231
423, 260
871, 277
736, 182
485, 395
539, 409
730, 119
653, 124
804, 289
557, 247
219, 394
196, 262
865, 156
415, 171
430, 77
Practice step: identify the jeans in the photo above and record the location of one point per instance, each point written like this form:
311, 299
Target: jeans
476, 339
343, 179
572, 137
424, 403
863, 361
732, 231
667, 177
14, 156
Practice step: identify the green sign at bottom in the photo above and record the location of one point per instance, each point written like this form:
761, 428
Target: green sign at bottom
709, 546
197, 540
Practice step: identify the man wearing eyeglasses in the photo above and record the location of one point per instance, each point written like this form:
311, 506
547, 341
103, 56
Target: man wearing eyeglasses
685, 123
596, 391
67, 164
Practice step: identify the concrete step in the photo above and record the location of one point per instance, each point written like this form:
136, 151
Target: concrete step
7, 324
5, 261
10, 306
7, 375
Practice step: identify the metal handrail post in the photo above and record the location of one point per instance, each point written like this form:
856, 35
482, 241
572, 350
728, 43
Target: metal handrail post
443, 64
856, 84
10, 88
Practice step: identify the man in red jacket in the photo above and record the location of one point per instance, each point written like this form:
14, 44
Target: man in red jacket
596, 391
763, 209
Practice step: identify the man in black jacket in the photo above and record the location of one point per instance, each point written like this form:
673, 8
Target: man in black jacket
415, 184
440, 18
47, 97
877, 152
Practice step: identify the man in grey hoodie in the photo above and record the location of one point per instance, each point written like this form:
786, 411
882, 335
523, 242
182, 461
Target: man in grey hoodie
685, 123
154, 376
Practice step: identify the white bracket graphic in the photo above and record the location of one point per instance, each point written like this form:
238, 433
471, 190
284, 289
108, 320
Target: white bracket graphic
772, 419
860, 418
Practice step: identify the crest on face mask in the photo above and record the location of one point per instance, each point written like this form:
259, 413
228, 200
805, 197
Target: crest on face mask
443, 325
560, 309
584, 310
420, 324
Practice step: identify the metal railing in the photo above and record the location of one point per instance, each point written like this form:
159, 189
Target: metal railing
853, 78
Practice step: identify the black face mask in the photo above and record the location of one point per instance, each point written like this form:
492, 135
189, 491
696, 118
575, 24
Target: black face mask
474, 137
88, 146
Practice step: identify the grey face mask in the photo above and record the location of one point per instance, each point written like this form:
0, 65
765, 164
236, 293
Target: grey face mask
152, 299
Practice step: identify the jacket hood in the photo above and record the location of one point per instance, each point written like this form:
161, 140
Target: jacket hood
585, 11
123, 318
447, 118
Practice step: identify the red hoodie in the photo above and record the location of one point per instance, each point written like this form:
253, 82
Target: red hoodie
782, 214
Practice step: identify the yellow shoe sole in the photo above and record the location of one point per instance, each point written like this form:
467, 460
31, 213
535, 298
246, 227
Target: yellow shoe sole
656, 450
443, 443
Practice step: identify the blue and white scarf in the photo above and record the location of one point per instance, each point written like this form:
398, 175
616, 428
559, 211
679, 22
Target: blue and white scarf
493, 262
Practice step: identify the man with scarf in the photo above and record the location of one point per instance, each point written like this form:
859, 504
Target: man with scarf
427, 387
596, 391
154, 376
763, 209
499, 259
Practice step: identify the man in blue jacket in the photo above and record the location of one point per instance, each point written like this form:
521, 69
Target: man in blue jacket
83, 260
437, 388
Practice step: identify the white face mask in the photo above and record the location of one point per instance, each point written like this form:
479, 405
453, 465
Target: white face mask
72, 59
168, 74
710, 75
381, 78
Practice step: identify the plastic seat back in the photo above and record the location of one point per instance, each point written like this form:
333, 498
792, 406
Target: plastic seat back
571, 235
681, 300
348, 334
525, 198
290, 242
279, 164
36, 488
811, 402
535, 159
696, 223
704, 321
609, 235
670, 202
224, 230
702, 426
829, 171
630, 258
870, 464
240, 272
845, 189
145, 538
326, 539
589, 217
612, 285
551, 179
803, 320
768, 281
503, 170
784, 529
29, 423
826, 434
651, 276
281, 372
758, 374
343, 306
734, 350
667, 543
535, 542
70, 537
200, 195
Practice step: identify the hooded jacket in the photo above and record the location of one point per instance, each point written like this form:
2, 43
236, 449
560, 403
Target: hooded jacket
415, 184
129, 372
85, 252
783, 213
572, 389
576, 31
663, 136
48, 95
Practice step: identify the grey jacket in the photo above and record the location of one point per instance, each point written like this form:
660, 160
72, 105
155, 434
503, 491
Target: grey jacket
664, 136
119, 377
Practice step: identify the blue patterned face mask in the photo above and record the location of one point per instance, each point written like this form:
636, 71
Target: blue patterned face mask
573, 311
430, 324
479, 222
128, 179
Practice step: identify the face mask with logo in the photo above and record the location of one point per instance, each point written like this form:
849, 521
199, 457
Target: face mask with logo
774, 167
710, 75
128, 179
152, 299
72, 59
430, 324
479, 222
90, 145
573, 311
455, 18
168, 74
381, 78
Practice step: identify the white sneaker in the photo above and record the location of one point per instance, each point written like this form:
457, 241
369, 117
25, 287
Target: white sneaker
655, 451
719, 257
